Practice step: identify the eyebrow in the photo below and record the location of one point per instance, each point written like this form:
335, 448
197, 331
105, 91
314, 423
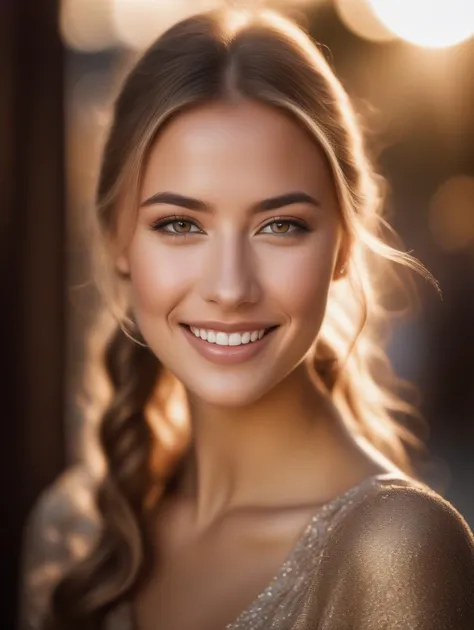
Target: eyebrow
264, 205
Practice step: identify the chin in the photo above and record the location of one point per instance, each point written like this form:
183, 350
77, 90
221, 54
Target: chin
231, 393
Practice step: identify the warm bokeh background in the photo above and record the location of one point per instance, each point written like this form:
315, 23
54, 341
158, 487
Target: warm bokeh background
409, 67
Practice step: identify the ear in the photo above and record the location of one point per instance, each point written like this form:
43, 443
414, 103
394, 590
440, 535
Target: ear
122, 265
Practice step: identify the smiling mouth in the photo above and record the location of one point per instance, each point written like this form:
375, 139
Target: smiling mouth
230, 350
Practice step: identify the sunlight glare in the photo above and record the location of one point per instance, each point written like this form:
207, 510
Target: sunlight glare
358, 16
427, 23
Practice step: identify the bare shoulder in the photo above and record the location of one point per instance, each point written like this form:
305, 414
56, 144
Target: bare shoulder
60, 529
403, 556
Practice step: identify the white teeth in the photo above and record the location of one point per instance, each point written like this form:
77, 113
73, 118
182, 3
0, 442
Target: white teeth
224, 339
211, 336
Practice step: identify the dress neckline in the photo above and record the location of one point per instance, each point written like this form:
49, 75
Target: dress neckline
287, 566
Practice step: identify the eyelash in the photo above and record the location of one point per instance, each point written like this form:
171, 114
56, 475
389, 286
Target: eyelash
159, 225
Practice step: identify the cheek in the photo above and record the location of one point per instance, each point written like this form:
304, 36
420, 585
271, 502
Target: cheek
300, 279
159, 275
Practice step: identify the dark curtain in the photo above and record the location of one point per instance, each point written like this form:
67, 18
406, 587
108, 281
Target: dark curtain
32, 269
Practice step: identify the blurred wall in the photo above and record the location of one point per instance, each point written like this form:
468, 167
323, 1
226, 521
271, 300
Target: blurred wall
32, 279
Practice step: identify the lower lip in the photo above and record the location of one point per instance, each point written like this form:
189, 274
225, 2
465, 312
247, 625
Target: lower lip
227, 355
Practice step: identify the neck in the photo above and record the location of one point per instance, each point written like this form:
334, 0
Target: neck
268, 454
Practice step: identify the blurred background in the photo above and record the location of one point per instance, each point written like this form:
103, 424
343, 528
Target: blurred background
409, 68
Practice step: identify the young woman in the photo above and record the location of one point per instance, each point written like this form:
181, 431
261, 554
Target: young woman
239, 249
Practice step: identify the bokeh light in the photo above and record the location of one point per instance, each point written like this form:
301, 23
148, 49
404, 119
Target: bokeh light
138, 23
451, 217
87, 25
428, 23
359, 17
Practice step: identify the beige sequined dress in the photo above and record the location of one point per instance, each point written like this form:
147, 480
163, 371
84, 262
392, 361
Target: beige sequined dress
389, 553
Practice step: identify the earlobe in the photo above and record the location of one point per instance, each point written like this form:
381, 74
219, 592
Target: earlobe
339, 271
343, 256
122, 266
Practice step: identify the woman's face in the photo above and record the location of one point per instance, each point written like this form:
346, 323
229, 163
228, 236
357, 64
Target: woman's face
256, 245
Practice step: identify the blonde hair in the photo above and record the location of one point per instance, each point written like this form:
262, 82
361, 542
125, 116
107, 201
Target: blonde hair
227, 55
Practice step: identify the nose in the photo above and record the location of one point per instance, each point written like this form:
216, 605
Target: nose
229, 277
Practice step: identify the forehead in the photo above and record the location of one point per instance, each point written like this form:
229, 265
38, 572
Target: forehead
246, 144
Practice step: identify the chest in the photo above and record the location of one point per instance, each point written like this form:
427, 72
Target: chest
206, 583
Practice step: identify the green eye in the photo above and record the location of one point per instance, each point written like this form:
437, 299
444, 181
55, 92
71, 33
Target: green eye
179, 226
284, 226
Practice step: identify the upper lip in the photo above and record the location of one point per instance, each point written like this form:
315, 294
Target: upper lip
234, 327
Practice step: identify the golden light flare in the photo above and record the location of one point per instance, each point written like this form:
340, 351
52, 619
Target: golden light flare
94, 25
427, 23
359, 17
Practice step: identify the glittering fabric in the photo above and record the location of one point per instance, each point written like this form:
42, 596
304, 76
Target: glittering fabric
389, 553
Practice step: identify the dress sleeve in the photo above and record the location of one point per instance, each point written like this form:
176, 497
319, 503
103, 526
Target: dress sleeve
403, 558
59, 531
